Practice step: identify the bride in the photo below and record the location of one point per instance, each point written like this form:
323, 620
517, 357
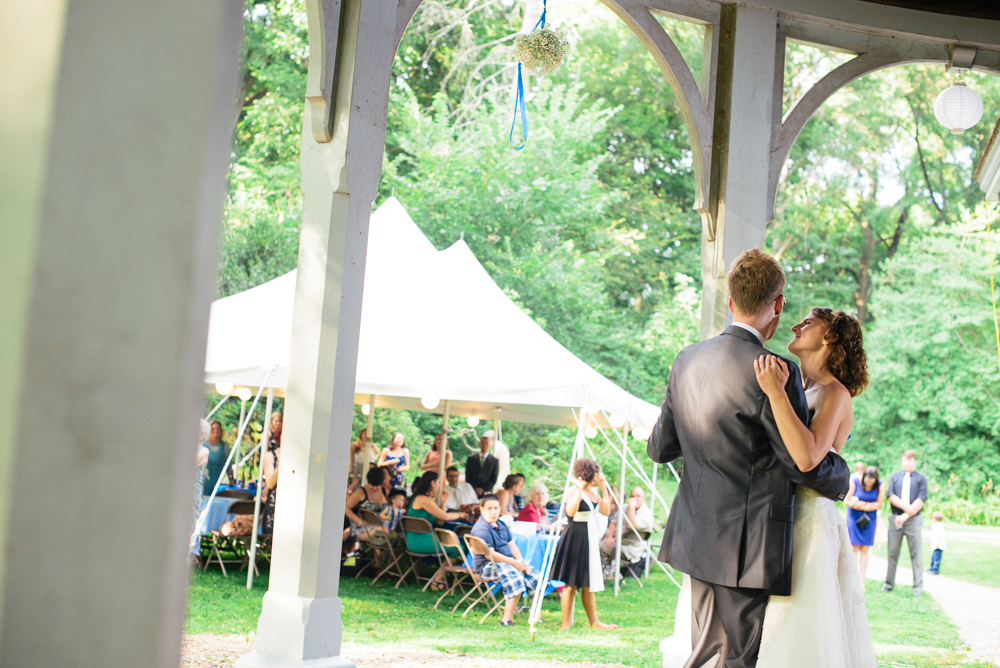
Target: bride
825, 617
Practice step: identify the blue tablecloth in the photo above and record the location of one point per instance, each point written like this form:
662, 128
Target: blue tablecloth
533, 551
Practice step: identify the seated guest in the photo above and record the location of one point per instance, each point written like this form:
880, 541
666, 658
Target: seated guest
422, 505
432, 460
393, 512
534, 510
461, 496
508, 496
640, 515
366, 497
482, 468
516, 576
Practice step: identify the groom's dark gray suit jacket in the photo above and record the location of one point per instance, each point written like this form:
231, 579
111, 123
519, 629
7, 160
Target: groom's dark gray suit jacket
731, 520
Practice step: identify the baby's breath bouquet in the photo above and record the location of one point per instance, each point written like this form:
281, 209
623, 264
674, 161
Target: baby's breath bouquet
543, 50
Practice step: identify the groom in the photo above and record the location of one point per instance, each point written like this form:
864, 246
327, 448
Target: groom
730, 527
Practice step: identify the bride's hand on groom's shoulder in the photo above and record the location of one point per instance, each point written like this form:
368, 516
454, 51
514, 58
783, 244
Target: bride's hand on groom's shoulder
772, 374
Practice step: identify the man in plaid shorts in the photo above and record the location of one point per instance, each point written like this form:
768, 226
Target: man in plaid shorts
516, 576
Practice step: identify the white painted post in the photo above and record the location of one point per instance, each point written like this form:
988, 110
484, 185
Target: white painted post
265, 438
115, 134
234, 471
444, 449
343, 135
369, 438
747, 109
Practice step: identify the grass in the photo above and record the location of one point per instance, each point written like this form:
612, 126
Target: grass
907, 631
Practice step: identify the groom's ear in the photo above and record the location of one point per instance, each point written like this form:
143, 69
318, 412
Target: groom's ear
732, 309
779, 304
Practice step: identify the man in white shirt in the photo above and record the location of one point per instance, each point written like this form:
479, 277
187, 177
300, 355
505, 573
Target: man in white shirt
907, 493
461, 496
640, 515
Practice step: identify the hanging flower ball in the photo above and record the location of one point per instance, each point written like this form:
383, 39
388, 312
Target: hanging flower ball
958, 108
543, 50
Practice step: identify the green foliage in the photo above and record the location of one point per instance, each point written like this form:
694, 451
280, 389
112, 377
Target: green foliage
933, 366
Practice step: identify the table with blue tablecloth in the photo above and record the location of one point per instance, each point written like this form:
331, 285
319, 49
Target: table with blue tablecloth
533, 551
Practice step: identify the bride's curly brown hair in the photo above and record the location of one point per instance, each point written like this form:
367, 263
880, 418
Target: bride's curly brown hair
848, 360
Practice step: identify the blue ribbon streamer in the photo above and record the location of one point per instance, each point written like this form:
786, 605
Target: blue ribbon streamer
519, 98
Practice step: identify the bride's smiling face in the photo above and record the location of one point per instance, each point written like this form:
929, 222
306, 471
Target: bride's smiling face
809, 336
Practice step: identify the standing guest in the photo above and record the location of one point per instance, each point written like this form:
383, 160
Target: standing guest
639, 515
422, 505
393, 513
432, 460
370, 496
461, 495
516, 576
577, 560
859, 472
270, 464
218, 453
482, 468
357, 463
502, 453
937, 541
534, 510
907, 492
864, 497
397, 457
512, 486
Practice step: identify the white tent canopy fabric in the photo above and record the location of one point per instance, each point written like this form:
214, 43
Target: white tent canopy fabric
490, 355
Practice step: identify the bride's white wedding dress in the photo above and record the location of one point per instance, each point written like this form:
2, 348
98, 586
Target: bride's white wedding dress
824, 623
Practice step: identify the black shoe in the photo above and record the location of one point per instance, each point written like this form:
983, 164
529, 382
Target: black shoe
510, 623
887, 587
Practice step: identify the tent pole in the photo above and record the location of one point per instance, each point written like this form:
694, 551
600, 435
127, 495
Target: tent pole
444, 449
236, 445
368, 438
621, 522
652, 507
265, 437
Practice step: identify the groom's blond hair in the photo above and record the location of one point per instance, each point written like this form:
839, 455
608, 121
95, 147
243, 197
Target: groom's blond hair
755, 280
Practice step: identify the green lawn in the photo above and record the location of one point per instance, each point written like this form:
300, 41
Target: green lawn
907, 631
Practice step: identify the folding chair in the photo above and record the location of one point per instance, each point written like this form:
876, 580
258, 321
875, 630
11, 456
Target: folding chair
644, 537
382, 544
418, 525
483, 585
461, 572
235, 544
463, 530
234, 494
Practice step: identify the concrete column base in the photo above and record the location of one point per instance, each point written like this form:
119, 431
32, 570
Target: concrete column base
297, 632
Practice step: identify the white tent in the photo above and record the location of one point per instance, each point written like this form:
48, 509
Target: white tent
433, 325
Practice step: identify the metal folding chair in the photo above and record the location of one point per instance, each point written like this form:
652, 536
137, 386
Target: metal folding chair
483, 585
418, 525
644, 536
461, 571
383, 545
236, 544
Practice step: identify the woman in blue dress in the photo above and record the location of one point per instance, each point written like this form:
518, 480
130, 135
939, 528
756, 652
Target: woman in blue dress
397, 458
864, 497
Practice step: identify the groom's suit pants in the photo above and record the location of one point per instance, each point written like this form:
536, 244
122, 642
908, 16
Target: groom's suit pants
726, 625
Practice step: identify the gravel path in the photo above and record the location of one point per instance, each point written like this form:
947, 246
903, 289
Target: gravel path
975, 609
219, 651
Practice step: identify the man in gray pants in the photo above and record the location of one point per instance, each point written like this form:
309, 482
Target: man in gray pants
907, 492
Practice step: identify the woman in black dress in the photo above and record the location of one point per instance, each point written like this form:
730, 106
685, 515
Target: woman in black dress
577, 561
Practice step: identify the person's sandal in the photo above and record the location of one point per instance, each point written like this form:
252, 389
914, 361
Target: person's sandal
438, 586
510, 623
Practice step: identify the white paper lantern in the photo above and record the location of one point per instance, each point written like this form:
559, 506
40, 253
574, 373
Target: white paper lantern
616, 420
958, 108
244, 393
590, 432
472, 421
223, 388
640, 434
430, 403
366, 409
